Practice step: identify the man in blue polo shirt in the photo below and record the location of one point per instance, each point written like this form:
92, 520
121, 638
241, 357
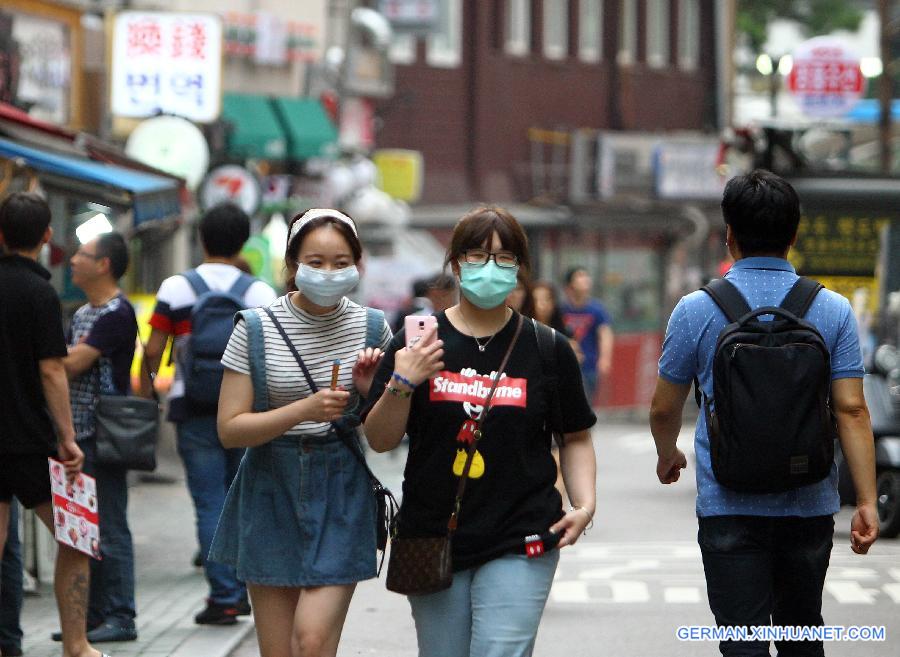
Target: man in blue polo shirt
765, 555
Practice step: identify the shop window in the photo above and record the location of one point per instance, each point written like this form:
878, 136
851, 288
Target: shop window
518, 28
627, 32
590, 30
688, 34
556, 29
658, 33
445, 43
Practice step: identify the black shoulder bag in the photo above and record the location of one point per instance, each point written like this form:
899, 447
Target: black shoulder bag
386, 504
127, 428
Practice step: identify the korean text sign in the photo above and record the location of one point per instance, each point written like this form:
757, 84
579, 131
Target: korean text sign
167, 63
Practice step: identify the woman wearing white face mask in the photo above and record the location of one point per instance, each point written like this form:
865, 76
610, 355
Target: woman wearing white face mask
497, 479
299, 521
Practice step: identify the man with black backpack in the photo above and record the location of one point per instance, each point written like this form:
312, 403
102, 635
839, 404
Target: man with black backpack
779, 375
197, 309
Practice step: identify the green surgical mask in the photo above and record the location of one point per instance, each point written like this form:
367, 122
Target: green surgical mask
487, 286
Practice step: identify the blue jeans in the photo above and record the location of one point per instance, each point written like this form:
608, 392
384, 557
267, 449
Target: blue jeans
112, 579
210, 469
490, 611
766, 571
11, 584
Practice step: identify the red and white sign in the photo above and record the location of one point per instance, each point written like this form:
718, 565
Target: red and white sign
826, 79
75, 510
167, 63
231, 184
469, 386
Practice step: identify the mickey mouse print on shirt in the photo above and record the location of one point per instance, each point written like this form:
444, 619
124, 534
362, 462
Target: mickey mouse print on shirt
471, 389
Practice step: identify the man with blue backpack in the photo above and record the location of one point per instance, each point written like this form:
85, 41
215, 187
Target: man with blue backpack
778, 370
197, 310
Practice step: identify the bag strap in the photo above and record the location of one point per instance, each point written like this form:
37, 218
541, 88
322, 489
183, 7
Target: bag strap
241, 285
340, 430
546, 341
801, 296
461, 489
374, 327
196, 282
256, 353
728, 298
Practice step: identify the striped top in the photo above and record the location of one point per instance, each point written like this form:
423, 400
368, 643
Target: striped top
320, 339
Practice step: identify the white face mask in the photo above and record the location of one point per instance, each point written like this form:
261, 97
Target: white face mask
323, 287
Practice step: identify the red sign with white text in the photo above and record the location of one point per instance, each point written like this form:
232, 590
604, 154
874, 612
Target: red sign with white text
469, 386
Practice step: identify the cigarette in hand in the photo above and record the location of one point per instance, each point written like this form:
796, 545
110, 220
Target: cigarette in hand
335, 368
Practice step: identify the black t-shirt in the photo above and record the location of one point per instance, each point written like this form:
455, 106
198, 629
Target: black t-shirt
510, 493
30, 331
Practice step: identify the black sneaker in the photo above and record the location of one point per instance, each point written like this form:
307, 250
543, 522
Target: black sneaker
112, 631
243, 607
217, 614
197, 561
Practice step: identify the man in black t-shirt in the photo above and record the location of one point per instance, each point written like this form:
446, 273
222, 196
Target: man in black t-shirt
101, 348
35, 417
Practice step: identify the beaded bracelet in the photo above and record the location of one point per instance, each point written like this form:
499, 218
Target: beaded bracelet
403, 380
402, 394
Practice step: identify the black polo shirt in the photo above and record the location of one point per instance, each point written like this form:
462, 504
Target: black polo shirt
30, 331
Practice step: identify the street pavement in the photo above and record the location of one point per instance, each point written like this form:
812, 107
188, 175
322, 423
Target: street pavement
169, 589
622, 590
636, 577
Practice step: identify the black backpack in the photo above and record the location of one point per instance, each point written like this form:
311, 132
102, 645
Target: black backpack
772, 428
546, 340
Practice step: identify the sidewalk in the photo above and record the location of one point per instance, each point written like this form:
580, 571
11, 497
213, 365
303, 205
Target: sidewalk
169, 589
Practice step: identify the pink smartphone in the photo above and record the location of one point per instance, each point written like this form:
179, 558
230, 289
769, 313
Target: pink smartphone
416, 326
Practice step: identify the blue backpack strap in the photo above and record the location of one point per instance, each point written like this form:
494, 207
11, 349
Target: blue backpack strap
196, 280
374, 327
256, 351
241, 285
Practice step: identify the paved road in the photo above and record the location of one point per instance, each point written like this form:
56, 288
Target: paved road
626, 587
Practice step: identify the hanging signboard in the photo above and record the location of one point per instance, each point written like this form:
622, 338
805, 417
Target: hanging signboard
233, 184
826, 79
410, 14
167, 63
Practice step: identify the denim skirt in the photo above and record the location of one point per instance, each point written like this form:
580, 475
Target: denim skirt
300, 512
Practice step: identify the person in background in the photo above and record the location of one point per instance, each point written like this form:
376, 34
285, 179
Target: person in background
299, 521
101, 348
520, 299
590, 325
430, 295
11, 588
35, 414
546, 307
510, 509
209, 467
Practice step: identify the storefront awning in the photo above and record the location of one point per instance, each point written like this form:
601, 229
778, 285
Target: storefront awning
308, 128
256, 131
149, 196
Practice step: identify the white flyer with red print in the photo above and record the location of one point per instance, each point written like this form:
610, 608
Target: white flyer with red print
75, 510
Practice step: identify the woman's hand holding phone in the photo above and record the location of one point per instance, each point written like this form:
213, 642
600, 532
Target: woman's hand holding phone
421, 361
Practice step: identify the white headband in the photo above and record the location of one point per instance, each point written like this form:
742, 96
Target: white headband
317, 213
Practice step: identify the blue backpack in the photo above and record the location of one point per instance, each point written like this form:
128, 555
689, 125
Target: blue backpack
212, 320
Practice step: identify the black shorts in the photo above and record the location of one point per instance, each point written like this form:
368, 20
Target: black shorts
25, 476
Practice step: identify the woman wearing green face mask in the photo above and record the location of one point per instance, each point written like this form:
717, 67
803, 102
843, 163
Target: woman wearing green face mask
511, 521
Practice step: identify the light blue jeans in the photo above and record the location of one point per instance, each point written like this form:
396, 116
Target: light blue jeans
490, 611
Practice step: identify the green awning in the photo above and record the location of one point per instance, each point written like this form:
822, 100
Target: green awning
309, 129
256, 131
